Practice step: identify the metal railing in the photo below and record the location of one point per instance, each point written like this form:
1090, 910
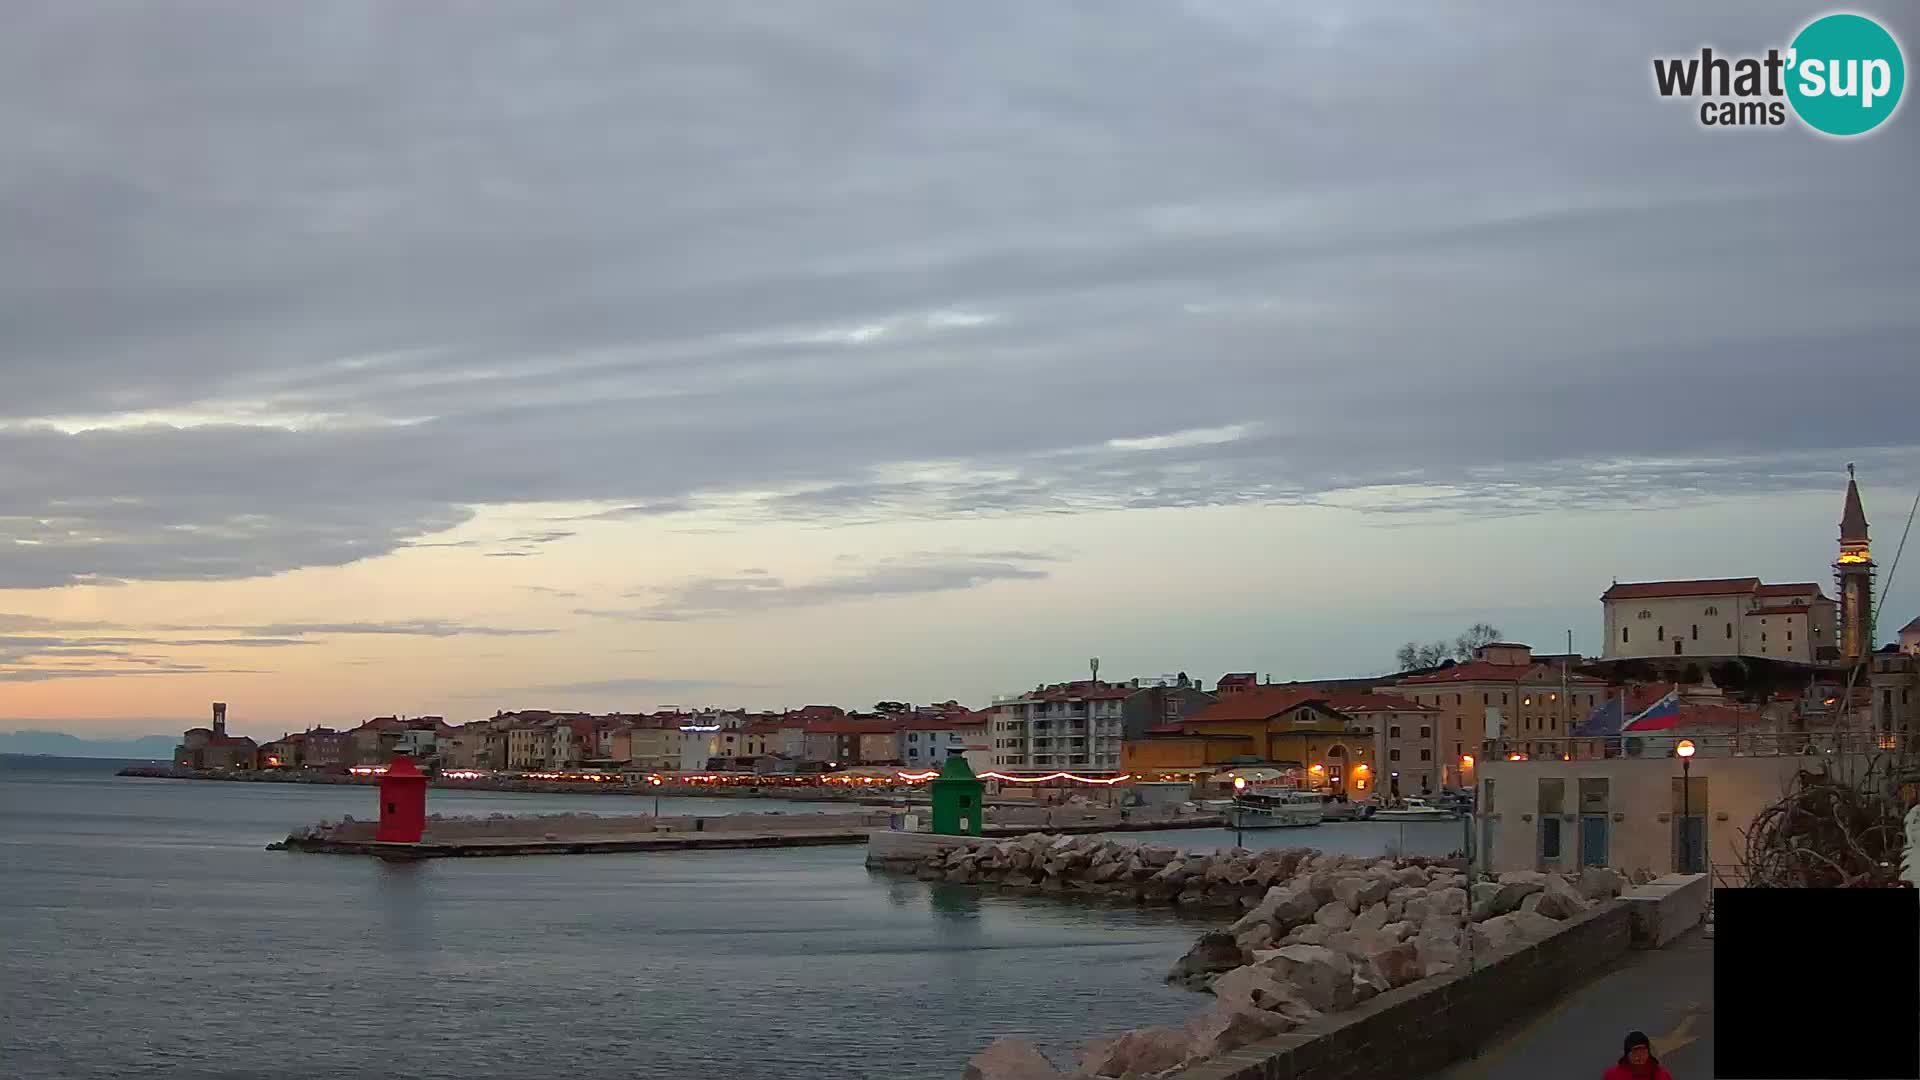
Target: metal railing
1663, 744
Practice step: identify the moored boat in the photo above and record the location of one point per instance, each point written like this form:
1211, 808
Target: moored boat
1414, 810
1276, 808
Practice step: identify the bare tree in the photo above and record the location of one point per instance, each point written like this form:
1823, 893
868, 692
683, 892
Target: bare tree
1413, 654
1477, 635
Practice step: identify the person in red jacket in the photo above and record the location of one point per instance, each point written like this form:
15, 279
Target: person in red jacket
1637, 1061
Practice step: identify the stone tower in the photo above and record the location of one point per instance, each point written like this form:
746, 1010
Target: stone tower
1853, 574
219, 719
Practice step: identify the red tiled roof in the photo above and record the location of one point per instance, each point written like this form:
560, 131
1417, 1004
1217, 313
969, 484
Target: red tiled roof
1482, 671
1797, 588
1258, 703
943, 723
1643, 590
1357, 702
850, 727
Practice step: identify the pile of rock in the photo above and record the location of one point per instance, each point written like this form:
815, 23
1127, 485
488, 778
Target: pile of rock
1329, 934
1230, 878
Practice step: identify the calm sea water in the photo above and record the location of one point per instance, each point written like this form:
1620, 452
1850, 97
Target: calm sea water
144, 931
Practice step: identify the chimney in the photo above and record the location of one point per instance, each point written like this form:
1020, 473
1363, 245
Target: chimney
219, 719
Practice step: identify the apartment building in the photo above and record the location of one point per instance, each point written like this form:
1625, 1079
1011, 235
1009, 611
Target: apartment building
1073, 725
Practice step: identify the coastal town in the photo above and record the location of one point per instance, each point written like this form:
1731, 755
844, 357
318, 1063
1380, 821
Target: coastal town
1750, 676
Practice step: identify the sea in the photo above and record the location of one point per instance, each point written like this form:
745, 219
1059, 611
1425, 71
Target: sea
145, 930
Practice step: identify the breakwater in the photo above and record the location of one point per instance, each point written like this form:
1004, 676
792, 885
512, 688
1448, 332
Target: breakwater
592, 834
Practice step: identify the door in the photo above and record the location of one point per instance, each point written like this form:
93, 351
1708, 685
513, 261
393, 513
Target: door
1595, 808
1593, 839
1690, 808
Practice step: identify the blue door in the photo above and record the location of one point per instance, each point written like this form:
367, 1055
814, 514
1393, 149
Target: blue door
1593, 840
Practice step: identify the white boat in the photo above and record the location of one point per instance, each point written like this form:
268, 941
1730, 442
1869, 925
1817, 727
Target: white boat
1414, 810
1276, 808
1337, 810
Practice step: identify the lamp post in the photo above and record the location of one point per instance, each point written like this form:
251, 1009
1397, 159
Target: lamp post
1685, 750
1239, 785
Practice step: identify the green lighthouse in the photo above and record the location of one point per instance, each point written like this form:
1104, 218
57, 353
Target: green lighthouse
957, 799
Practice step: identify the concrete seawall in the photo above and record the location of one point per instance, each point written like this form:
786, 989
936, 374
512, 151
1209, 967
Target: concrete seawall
1425, 1026
585, 845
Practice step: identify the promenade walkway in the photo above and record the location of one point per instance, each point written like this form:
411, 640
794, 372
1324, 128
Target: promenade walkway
1667, 993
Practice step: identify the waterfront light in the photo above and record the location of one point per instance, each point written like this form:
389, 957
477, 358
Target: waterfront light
1239, 783
1467, 760
1685, 749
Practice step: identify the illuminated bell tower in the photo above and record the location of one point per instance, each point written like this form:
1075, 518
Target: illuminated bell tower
1853, 573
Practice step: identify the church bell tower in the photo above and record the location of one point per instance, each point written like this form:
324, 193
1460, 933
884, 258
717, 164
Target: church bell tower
1853, 574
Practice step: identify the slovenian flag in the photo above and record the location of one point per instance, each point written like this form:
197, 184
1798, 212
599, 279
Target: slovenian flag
1659, 716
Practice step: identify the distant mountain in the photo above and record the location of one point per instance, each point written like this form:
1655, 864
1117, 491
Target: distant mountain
61, 744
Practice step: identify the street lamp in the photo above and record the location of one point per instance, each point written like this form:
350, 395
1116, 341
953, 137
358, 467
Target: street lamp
1685, 749
1239, 785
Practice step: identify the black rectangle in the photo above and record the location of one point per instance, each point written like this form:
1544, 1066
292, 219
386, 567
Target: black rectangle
1816, 984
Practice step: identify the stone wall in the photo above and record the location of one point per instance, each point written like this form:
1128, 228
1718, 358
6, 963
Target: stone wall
1425, 1026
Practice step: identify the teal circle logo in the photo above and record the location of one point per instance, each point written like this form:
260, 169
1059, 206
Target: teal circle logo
1845, 74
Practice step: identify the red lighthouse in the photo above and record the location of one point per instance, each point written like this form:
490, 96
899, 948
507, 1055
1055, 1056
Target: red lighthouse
403, 803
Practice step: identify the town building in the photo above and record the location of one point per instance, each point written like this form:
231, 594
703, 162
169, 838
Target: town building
1294, 729
1061, 727
374, 742
1893, 683
1501, 693
850, 740
1631, 813
649, 744
324, 748
213, 748
925, 742
1161, 701
1719, 618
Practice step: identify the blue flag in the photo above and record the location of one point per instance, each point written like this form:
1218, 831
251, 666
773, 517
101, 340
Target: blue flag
1606, 719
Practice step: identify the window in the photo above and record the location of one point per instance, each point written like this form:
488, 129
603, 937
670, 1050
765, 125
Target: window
913, 736
1789, 635
1763, 637
1426, 732
1486, 699
1393, 754
1696, 631
1729, 631
1713, 611
1660, 634
1644, 614
1553, 697
1526, 701
1393, 732
1503, 699
1426, 754
1623, 635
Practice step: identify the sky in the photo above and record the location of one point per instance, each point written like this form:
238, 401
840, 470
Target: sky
441, 358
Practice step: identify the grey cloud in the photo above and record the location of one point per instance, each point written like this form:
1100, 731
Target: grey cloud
884, 259
438, 628
718, 597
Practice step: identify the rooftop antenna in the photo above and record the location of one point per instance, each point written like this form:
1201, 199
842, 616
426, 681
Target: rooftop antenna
1094, 665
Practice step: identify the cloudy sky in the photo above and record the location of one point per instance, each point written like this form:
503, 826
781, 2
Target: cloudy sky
435, 357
